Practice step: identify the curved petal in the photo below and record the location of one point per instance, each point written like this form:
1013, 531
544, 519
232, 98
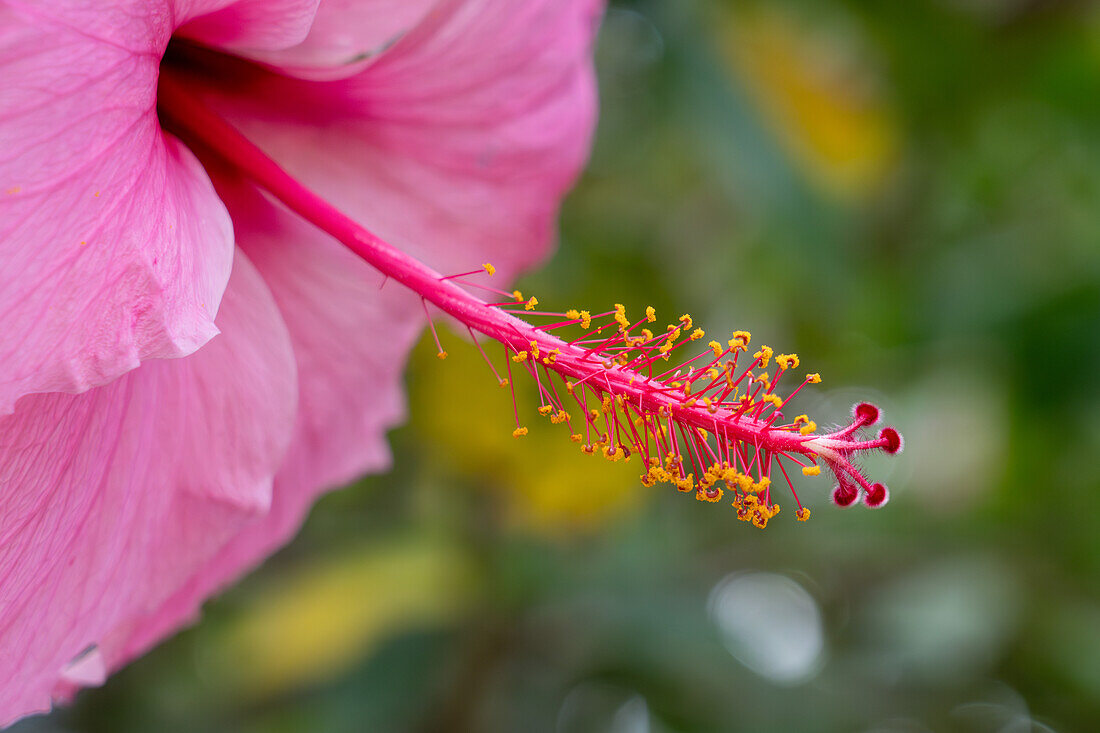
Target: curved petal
114, 247
110, 500
457, 194
350, 340
456, 144
347, 35
246, 25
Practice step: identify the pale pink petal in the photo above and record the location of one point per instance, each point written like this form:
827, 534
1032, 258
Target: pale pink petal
347, 35
487, 188
114, 247
246, 25
350, 340
110, 500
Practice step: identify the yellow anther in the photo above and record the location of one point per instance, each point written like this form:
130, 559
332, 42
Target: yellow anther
811, 470
586, 319
588, 448
740, 339
612, 454
787, 361
504, 382
620, 315
697, 334
519, 432
520, 357
762, 485
686, 320
442, 355
534, 349
801, 420
808, 428
559, 417
488, 267
814, 378
650, 314
774, 399
802, 514
763, 379
647, 334
545, 410
711, 496
518, 296
594, 414
572, 314
531, 304
606, 402
764, 355
716, 348
569, 387
576, 437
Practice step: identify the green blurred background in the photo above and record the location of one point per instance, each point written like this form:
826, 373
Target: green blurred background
905, 193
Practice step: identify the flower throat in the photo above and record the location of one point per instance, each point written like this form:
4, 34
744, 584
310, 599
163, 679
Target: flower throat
621, 387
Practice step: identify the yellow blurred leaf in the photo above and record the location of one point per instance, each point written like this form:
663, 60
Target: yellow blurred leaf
818, 92
326, 615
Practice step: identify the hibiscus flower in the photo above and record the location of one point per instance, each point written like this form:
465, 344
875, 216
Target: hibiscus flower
185, 363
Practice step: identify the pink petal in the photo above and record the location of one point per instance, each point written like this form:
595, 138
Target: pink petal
113, 246
350, 389
347, 35
246, 25
110, 500
486, 189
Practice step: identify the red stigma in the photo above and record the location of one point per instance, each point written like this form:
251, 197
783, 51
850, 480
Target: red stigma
866, 413
844, 495
893, 440
877, 496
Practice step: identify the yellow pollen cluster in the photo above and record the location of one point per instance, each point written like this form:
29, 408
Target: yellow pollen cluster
620, 315
669, 343
751, 509
488, 267
608, 428
787, 361
807, 425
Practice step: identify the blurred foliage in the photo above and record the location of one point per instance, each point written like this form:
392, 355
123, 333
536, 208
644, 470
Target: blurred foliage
906, 193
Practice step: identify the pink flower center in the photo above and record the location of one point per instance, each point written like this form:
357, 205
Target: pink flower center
619, 387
